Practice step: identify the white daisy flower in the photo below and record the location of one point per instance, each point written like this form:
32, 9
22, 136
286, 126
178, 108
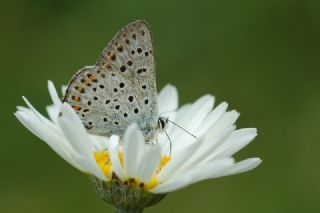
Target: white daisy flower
122, 166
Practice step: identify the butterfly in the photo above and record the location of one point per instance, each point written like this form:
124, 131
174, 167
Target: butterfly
120, 89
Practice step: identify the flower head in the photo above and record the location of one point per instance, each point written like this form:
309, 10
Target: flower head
130, 163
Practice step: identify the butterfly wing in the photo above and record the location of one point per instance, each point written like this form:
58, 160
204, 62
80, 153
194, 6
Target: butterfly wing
121, 88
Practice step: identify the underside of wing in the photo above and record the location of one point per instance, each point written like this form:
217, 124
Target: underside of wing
120, 89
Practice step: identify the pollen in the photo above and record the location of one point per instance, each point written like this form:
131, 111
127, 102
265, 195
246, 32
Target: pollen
154, 181
120, 156
103, 160
163, 162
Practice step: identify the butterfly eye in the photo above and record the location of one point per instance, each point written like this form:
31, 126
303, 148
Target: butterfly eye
161, 123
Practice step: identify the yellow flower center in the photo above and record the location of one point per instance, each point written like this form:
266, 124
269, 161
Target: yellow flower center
154, 181
120, 156
103, 160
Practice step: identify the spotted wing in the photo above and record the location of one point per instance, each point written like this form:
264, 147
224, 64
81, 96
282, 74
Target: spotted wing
121, 88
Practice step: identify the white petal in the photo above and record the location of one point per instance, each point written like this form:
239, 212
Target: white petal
177, 161
90, 167
64, 90
99, 142
53, 112
215, 136
206, 148
149, 164
113, 142
167, 99
41, 118
238, 139
180, 113
191, 120
172, 185
213, 170
74, 130
212, 118
113, 148
197, 112
226, 120
133, 149
173, 130
79, 140
45, 133
244, 166
54, 95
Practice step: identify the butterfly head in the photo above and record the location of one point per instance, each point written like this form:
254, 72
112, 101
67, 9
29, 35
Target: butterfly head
152, 135
162, 123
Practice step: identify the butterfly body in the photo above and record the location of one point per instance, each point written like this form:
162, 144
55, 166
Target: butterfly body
120, 88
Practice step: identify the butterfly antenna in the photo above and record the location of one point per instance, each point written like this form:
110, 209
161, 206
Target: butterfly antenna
183, 129
169, 141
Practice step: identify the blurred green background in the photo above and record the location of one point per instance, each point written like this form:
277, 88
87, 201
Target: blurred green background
262, 57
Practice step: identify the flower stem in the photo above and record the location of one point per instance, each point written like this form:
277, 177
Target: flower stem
122, 210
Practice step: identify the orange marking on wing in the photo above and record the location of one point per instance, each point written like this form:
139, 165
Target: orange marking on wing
76, 107
80, 89
92, 78
87, 81
111, 56
75, 98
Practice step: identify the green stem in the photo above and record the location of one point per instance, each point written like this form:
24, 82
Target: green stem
121, 210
